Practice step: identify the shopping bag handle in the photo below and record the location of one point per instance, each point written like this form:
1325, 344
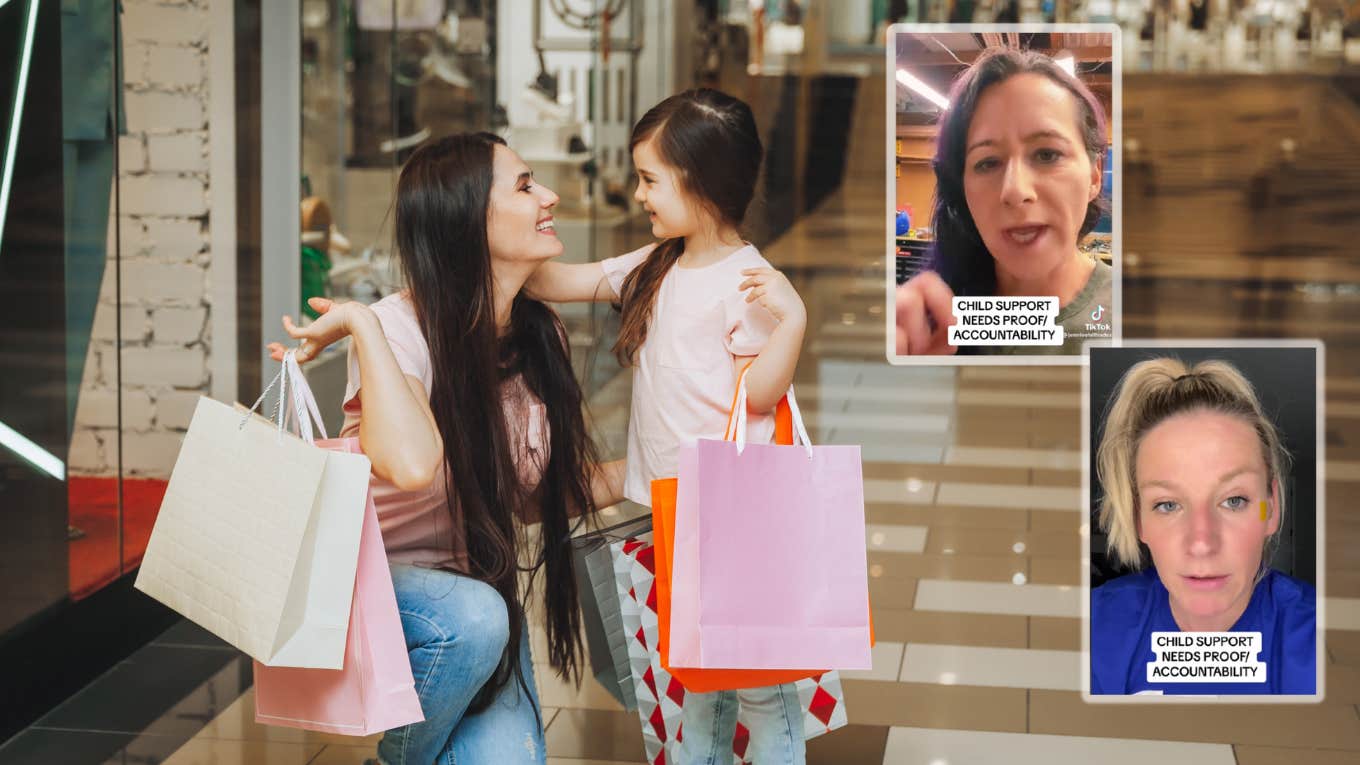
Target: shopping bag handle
303, 402
736, 419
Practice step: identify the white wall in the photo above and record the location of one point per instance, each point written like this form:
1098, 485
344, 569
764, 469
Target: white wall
657, 75
165, 306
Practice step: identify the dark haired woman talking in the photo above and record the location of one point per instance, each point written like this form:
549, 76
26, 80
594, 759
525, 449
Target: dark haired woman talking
462, 394
1017, 171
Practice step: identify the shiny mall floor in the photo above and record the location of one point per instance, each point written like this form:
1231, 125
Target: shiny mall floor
972, 480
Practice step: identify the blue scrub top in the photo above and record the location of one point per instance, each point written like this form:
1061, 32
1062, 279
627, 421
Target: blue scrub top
1126, 611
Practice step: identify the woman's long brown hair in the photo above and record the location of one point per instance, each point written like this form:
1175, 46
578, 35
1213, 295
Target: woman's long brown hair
442, 201
709, 139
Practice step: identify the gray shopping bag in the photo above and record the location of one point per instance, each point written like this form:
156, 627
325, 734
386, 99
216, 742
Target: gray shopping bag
606, 641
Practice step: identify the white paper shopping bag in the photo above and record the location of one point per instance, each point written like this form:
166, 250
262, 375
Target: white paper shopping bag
258, 536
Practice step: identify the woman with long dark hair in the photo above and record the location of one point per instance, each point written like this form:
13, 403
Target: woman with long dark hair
1017, 187
462, 394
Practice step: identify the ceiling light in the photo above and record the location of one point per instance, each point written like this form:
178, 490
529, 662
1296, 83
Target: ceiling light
32, 453
932, 95
17, 116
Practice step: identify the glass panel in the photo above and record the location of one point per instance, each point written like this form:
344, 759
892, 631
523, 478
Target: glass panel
34, 435
91, 79
571, 108
59, 398
163, 305
378, 78
352, 112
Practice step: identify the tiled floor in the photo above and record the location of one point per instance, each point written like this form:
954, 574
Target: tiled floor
975, 512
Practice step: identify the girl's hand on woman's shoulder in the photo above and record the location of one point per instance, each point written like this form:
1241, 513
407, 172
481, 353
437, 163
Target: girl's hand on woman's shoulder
337, 320
775, 293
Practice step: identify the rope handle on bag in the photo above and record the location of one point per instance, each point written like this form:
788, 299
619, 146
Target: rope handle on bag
736, 417
304, 403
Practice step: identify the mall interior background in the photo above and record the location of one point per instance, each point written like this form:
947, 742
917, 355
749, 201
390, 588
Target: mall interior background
153, 232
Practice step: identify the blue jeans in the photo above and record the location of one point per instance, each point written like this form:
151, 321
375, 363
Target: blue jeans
773, 714
456, 629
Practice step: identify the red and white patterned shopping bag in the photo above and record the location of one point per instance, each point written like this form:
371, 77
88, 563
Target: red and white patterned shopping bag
660, 697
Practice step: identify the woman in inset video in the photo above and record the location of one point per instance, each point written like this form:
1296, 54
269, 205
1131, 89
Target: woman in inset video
1018, 180
1191, 467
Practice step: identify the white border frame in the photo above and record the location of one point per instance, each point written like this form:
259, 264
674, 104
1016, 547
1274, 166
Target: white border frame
1320, 513
1116, 201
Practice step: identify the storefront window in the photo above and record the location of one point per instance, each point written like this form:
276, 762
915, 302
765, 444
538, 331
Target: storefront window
34, 435
380, 77
105, 273
63, 516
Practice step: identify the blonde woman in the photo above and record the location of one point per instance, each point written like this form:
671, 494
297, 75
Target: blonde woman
1191, 467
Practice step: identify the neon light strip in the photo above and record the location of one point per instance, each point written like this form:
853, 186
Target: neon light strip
20, 91
36, 455
905, 77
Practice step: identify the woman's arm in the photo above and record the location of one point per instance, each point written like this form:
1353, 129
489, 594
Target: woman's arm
569, 283
397, 430
606, 488
606, 483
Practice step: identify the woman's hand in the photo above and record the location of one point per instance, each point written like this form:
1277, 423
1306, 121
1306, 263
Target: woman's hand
774, 292
924, 315
337, 321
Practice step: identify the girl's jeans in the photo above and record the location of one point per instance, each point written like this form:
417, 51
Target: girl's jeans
773, 714
456, 628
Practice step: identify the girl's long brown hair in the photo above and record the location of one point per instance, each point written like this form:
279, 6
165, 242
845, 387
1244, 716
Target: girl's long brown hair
709, 139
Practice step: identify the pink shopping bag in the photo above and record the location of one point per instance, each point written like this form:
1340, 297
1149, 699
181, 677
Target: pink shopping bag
375, 691
770, 567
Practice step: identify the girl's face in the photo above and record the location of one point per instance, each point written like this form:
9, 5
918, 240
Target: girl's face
519, 225
1026, 174
1201, 482
673, 213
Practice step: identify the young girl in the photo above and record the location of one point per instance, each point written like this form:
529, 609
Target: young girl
698, 307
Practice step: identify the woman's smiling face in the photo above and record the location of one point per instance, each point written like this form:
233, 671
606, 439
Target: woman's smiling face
1027, 176
519, 224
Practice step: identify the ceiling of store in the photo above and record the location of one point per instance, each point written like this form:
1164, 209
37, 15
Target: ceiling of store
937, 59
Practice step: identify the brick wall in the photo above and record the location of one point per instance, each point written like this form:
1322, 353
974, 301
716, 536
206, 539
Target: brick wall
165, 305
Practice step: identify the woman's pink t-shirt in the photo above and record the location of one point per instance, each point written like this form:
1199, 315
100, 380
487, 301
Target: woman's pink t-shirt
423, 527
685, 375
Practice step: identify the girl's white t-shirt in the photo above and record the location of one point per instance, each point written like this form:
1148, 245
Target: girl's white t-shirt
685, 377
